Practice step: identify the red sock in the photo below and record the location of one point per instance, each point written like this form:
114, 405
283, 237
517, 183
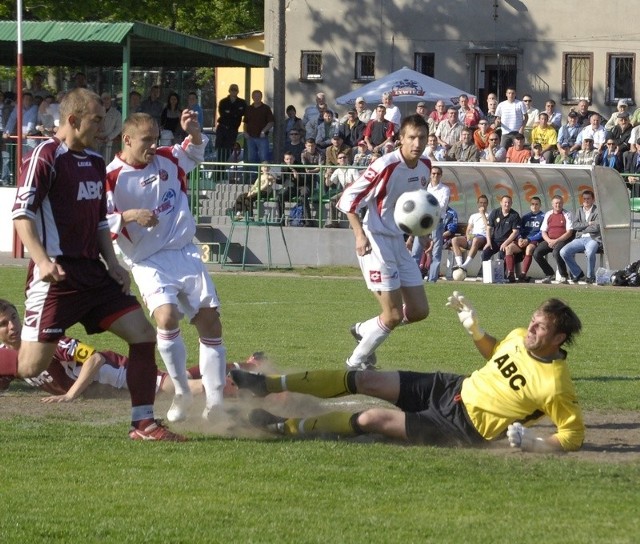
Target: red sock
8, 363
141, 373
508, 260
526, 264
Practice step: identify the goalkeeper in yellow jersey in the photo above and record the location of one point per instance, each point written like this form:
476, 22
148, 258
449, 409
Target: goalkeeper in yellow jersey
526, 377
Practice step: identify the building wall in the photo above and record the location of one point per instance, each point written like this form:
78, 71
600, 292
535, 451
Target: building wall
227, 76
459, 33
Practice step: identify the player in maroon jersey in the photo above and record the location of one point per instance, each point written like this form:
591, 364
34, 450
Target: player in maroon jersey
60, 216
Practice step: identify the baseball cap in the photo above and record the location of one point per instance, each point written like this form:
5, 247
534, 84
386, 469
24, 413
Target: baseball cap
566, 145
588, 138
572, 114
337, 136
423, 104
381, 106
623, 114
359, 99
622, 102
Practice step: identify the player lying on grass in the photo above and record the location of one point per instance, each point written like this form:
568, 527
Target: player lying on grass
526, 377
76, 366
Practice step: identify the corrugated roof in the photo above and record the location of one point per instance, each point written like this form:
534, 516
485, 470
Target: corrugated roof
68, 43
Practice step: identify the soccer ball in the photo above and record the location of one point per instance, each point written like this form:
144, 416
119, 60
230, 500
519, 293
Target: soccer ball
459, 274
416, 212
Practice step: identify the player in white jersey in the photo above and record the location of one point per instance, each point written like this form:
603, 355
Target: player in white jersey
387, 266
149, 216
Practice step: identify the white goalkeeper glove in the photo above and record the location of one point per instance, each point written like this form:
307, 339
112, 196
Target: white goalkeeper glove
466, 315
521, 437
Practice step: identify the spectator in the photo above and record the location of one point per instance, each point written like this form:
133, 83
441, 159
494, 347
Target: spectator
37, 89
526, 242
108, 137
80, 81
46, 122
568, 135
635, 118
536, 155
352, 130
294, 188
481, 134
423, 111
609, 156
392, 113
434, 151
564, 157
152, 105
631, 165
584, 113
313, 114
29, 122
587, 155
236, 158
511, 117
492, 105
557, 231
379, 132
468, 114
260, 190
555, 117
621, 133
194, 105
476, 236
586, 224
231, 110
438, 115
503, 227
545, 135
295, 144
464, 150
258, 122
493, 152
532, 117
517, 152
340, 179
633, 140
292, 122
337, 148
135, 102
443, 194
593, 130
362, 156
622, 105
449, 130
312, 159
326, 130
170, 117
362, 110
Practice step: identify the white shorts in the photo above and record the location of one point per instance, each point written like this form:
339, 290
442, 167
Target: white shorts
389, 265
176, 276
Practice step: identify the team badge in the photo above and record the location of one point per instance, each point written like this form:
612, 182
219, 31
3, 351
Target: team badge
423, 181
163, 174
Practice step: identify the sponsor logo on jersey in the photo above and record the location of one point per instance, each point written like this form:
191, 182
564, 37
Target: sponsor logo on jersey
164, 175
41, 379
149, 180
84, 164
412, 179
510, 372
375, 276
90, 190
162, 208
26, 195
168, 199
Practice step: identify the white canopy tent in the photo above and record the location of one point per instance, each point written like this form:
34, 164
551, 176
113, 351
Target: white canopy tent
406, 85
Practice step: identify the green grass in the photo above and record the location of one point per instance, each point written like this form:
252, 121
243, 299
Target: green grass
76, 478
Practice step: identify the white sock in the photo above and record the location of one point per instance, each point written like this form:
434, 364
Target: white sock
466, 262
458, 260
373, 333
174, 356
213, 369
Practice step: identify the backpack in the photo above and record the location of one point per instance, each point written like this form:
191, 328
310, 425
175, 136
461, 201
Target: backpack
296, 215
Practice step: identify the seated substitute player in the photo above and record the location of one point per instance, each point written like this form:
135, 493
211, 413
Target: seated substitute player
388, 269
502, 229
74, 275
150, 218
475, 237
526, 377
76, 366
526, 243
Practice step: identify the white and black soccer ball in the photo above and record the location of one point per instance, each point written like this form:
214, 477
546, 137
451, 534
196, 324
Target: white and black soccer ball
417, 212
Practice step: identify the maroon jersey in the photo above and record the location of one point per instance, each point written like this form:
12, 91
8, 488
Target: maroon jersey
63, 192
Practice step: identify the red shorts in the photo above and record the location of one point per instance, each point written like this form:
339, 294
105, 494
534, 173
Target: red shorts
87, 295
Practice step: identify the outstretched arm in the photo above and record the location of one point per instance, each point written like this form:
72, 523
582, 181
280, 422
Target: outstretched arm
484, 342
87, 373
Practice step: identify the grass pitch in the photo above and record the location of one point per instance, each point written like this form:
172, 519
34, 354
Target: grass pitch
69, 474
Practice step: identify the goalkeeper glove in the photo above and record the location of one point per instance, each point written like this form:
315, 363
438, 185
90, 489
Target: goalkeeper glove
466, 315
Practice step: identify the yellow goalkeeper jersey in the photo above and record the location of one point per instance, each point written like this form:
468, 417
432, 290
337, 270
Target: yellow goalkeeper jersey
514, 386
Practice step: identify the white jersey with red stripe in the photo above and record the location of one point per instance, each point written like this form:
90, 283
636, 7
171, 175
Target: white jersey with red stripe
160, 186
380, 186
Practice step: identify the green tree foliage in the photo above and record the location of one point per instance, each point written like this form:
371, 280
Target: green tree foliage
210, 19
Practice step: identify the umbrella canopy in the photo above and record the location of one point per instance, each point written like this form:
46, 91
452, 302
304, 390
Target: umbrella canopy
406, 85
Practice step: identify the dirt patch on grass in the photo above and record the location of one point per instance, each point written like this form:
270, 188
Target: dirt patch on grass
612, 437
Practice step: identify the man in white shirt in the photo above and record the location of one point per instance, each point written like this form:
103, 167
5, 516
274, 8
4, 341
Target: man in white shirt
393, 112
511, 116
